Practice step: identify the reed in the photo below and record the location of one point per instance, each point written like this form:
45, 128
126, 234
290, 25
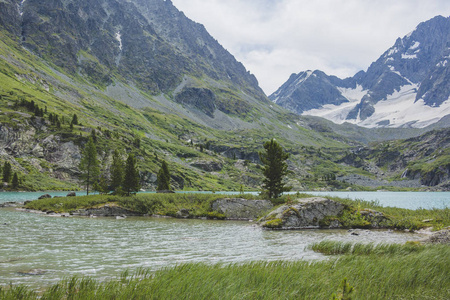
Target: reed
328, 247
423, 274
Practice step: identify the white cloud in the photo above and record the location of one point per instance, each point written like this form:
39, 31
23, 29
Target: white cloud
340, 37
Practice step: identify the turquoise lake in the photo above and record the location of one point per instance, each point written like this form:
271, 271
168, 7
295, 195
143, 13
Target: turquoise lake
105, 247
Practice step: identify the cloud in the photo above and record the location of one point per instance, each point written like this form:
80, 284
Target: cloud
274, 38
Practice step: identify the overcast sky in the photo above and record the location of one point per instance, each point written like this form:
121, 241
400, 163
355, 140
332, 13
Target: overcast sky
275, 38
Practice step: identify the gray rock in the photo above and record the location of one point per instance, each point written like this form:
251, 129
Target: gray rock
208, 166
439, 237
182, 213
306, 213
45, 196
71, 194
106, 211
238, 208
33, 272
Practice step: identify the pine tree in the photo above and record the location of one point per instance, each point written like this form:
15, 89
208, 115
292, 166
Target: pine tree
7, 172
15, 182
116, 170
94, 135
274, 169
163, 178
74, 119
131, 177
101, 185
89, 164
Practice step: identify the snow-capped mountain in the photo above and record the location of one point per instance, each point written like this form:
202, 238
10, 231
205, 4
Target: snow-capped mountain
408, 86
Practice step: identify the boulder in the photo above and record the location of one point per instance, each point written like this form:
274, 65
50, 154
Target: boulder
71, 194
208, 166
439, 237
241, 209
306, 213
182, 213
106, 211
45, 196
33, 272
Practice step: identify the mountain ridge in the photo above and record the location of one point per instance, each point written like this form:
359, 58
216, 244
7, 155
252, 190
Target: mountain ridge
412, 74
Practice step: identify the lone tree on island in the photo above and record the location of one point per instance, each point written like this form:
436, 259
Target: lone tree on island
89, 164
131, 177
163, 178
274, 169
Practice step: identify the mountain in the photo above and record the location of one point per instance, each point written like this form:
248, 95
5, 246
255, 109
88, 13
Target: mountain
408, 86
142, 78
147, 44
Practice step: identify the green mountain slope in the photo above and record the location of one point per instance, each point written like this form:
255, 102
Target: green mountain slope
147, 80
203, 155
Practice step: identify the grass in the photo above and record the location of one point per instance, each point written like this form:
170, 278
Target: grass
199, 205
421, 274
401, 218
335, 247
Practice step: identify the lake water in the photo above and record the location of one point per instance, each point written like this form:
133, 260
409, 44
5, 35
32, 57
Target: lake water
104, 247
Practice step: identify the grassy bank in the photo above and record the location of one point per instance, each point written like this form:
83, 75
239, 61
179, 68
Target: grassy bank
199, 205
421, 274
401, 218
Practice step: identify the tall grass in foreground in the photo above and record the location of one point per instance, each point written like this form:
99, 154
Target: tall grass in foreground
418, 275
336, 247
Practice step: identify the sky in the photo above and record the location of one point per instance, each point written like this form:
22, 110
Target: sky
275, 38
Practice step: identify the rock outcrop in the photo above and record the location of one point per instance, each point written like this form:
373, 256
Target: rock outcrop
105, 211
317, 212
241, 209
439, 237
306, 213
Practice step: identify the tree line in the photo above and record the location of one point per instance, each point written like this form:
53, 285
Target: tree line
123, 177
8, 175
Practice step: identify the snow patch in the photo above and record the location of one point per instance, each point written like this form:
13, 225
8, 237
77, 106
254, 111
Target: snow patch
399, 109
442, 63
415, 46
338, 113
119, 39
392, 51
302, 78
409, 56
21, 7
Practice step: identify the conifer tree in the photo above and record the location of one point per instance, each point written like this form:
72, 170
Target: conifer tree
94, 135
7, 172
163, 178
89, 164
116, 170
15, 182
74, 119
101, 185
131, 176
274, 169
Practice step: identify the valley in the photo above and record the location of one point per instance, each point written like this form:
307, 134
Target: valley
138, 105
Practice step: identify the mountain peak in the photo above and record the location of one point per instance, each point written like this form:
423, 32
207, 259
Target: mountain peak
411, 76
